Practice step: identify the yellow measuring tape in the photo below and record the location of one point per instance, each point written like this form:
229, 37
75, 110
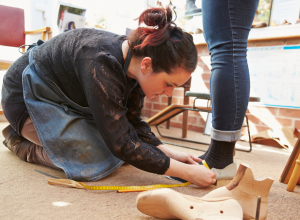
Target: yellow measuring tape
205, 164
80, 185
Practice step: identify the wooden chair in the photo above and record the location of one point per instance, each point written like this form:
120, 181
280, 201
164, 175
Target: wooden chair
186, 99
12, 29
291, 172
173, 110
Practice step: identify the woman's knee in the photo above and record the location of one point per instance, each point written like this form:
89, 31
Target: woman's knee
29, 132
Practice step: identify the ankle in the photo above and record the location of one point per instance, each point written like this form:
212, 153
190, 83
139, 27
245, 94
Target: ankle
220, 154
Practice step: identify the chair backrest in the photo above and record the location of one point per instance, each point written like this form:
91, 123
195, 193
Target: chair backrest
12, 26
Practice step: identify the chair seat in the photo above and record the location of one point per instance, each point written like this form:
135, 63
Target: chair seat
5, 64
207, 96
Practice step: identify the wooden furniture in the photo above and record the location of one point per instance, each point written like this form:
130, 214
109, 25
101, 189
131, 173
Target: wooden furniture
295, 176
12, 29
173, 110
186, 99
246, 189
169, 204
291, 172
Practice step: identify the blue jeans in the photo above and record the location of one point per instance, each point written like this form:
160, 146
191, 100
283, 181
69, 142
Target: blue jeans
226, 26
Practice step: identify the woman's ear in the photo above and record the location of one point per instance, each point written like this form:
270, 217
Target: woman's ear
146, 65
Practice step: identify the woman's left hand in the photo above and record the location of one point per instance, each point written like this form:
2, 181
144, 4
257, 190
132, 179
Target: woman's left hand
179, 156
185, 157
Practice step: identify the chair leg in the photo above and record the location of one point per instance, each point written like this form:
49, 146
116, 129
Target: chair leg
295, 176
168, 121
248, 128
185, 123
186, 101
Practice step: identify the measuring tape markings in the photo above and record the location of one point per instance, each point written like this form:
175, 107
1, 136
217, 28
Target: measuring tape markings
80, 185
133, 187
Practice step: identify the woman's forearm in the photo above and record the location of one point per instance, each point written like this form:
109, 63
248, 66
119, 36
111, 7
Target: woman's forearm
166, 150
178, 169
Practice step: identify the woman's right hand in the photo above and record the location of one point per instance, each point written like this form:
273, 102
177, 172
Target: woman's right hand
196, 174
200, 175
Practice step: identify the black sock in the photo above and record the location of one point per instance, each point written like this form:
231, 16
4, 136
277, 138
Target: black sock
220, 154
204, 155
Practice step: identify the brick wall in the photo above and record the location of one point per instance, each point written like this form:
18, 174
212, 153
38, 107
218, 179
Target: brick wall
260, 118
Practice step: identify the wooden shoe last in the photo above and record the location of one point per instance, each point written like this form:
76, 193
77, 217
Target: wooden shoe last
245, 189
169, 204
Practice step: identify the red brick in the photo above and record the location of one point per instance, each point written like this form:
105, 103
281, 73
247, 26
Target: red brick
253, 119
269, 43
175, 124
199, 49
205, 76
284, 122
164, 100
297, 124
195, 128
153, 112
164, 124
291, 113
201, 121
174, 100
206, 50
148, 105
292, 42
175, 118
154, 99
159, 106
206, 69
192, 120
196, 113
147, 113
178, 92
180, 101
257, 129
146, 99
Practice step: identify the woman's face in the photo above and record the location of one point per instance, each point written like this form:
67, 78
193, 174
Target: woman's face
155, 84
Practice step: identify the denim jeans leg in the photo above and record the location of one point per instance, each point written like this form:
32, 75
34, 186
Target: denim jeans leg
226, 26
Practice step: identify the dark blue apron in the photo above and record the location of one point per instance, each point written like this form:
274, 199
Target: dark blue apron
66, 130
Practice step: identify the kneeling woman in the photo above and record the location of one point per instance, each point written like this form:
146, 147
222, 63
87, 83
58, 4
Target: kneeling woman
74, 103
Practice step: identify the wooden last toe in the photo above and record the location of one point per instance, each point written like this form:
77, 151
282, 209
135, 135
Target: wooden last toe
169, 204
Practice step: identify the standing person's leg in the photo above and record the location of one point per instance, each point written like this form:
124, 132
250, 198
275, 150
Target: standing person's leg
226, 26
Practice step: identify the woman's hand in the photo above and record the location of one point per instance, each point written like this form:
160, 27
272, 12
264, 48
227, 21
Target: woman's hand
179, 156
196, 174
185, 158
200, 175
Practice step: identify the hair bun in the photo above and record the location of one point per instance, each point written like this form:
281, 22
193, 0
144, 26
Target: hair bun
156, 17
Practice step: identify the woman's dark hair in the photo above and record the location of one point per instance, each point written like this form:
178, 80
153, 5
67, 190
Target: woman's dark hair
167, 45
